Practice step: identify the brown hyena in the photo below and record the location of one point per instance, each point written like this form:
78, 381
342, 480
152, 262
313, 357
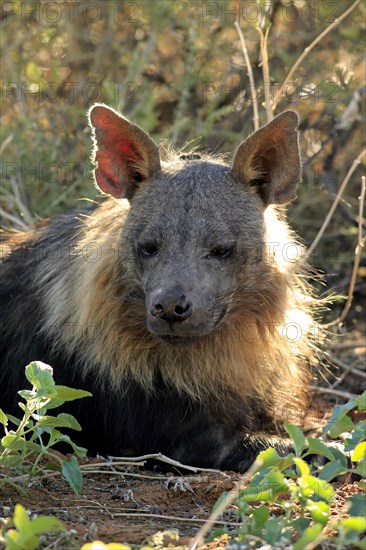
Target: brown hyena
182, 309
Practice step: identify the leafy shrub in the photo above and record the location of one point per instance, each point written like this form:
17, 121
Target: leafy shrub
24, 448
25, 535
302, 493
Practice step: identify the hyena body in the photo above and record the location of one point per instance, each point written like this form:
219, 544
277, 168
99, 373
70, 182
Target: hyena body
171, 307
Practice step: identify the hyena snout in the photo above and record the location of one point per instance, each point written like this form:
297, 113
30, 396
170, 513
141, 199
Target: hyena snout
171, 305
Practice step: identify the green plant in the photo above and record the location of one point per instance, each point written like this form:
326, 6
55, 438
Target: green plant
25, 536
296, 496
23, 449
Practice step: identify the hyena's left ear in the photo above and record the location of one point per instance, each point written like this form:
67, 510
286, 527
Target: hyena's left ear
125, 155
269, 160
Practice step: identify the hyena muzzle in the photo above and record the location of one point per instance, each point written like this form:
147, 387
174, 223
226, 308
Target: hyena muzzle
170, 301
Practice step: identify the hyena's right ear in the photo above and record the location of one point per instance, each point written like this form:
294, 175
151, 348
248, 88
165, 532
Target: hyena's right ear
123, 153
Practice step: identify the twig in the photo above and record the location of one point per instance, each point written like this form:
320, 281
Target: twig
108, 463
339, 393
6, 142
20, 204
321, 231
229, 499
265, 71
250, 76
128, 474
308, 49
338, 363
166, 459
346, 346
356, 263
343, 376
13, 219
172, 518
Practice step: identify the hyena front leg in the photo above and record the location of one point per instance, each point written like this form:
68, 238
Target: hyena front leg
209, 444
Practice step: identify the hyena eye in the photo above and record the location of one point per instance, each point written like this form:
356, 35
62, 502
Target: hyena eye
220, 252
149, 249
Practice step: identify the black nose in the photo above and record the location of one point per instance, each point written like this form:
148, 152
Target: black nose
171, 307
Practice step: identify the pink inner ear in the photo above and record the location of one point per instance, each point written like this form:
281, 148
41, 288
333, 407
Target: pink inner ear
117, 153
126, 148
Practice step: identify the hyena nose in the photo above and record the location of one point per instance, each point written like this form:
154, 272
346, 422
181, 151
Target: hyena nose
172, 309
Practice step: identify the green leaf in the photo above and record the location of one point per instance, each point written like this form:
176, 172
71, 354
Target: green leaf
62, 420
309, 535
360, 468
71, 471
332, 470
52, 422
275, 481
362, 483
52, 466
73, 423
64, 393
356, 436
40, 376
285, 462
54, 403
45, 524
303, 466
18, 541
360, 452
357, 524
297, 437
27, 395
319, 511
20, 519
3, 418
300, 524
317, 447
79, 451
339, 422
340, 426
358, 505
25, 536
14, 442
338, 455
274, 529
360, 401
260, 515
270, 457
256, 494
316, 489
11, 461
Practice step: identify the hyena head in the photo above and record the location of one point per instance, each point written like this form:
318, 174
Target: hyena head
193, 240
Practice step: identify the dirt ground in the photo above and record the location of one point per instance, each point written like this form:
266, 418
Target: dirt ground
134, 505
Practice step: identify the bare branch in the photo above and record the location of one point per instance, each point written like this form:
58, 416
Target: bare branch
321, 231
265, 71
356, 263
13, 219
225, 503
308, 49
351, 368
250, 76
338, 393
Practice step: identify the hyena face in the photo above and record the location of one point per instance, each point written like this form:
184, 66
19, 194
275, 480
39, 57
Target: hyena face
193, 233
195, 230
